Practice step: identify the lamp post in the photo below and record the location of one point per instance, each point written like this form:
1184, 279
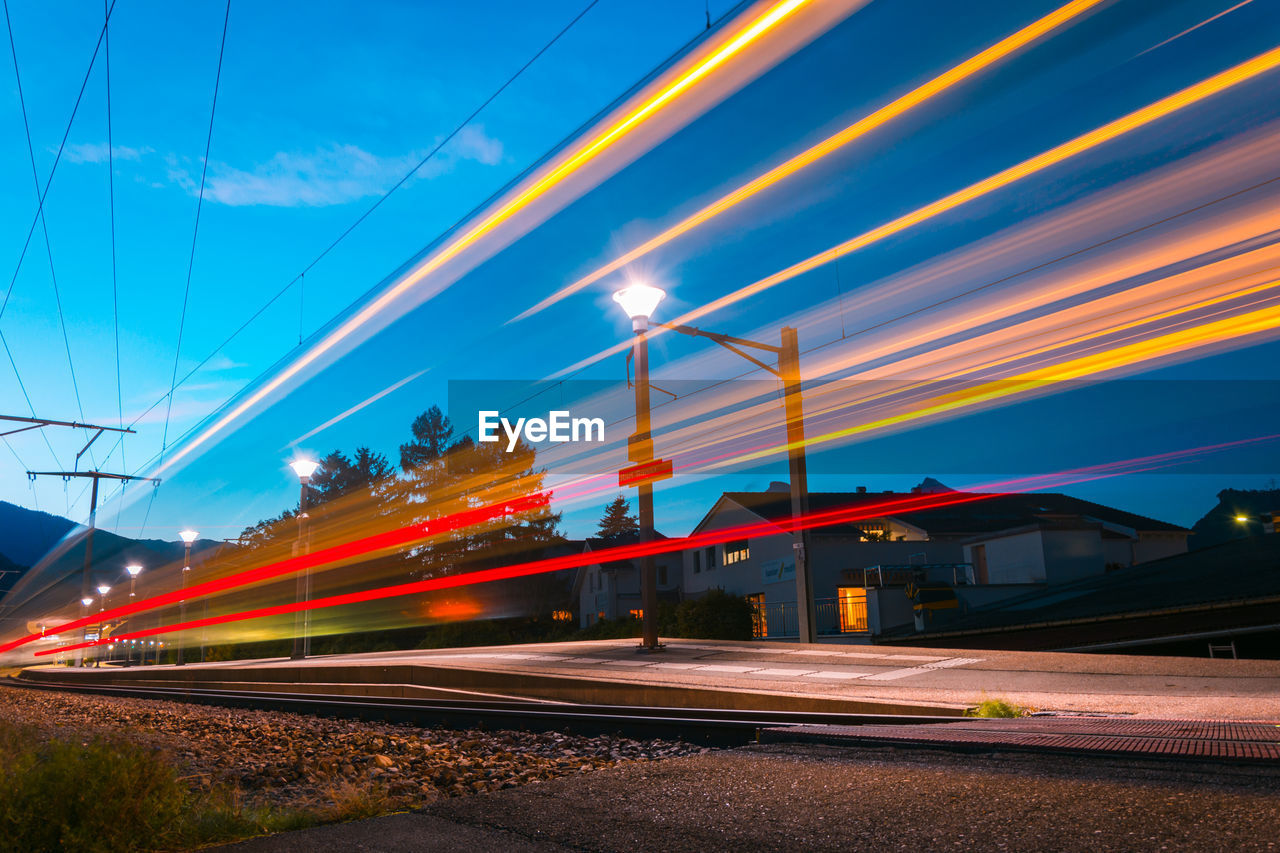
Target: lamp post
788, 370
84, 613
134, 570
304, 468
639, 302
188, 536
103, 589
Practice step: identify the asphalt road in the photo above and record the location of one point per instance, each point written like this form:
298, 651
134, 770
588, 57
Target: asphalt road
789, 798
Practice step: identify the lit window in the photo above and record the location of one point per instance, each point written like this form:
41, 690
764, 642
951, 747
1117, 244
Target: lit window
852, 604
637, 613
736, 551
561, 615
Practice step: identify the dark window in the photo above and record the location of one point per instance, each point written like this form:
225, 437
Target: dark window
697, 562
711, 558
736, 551
662, 575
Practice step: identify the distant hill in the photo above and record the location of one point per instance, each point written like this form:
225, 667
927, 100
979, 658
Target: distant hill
1219, 524
29, 538
26, 535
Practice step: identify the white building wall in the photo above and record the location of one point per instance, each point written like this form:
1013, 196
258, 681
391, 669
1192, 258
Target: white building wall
1013, 559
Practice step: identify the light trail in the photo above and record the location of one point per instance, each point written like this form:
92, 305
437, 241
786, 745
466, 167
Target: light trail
746, 36
1260, 321
1162, 108
921, 94
844, 515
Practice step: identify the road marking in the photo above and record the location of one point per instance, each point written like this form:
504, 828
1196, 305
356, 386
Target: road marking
587, 660
784, 672
836, 676
630, 662
725, 668
895, 674
948, 662
676, 665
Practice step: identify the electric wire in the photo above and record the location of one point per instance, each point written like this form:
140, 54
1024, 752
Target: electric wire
332, 245
57, 158
195, 231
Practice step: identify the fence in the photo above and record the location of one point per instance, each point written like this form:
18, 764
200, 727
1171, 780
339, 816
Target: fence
832, 616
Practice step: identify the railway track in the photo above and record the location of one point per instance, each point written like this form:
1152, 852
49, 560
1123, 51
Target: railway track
710, 726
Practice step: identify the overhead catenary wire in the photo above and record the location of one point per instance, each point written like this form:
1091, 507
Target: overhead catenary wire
345, 233
195, 231
111, 206
57, 157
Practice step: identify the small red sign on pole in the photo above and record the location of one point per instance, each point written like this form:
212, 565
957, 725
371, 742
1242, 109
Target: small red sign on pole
649, 472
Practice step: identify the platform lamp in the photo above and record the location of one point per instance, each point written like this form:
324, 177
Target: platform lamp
188, 536
304, 468
85, 604
134, 570
639, 302
103, 589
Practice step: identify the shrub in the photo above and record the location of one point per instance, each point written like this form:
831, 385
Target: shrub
715, 616
996, 708
101, 795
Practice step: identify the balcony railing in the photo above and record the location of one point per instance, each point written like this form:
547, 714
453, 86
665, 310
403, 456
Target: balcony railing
831, 615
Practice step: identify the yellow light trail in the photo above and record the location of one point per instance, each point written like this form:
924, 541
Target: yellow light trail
750, 33
1129, 355
830, 145
1106, 133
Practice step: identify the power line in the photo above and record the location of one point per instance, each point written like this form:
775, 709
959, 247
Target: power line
61, 146
301, 275
195, 232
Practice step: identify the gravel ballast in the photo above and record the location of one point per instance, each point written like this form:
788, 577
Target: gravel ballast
293, 759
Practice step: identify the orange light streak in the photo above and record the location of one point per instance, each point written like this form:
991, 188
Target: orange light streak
1106, 133
830, 145
749, 34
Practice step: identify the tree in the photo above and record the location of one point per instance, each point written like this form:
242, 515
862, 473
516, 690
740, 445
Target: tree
338, 476
618, 524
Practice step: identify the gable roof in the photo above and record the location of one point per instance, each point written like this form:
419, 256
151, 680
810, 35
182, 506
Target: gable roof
987, 513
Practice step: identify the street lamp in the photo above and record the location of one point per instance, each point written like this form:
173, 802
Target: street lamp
85, 603
788, 370
134, 570
304, 468
188, 536
639, 302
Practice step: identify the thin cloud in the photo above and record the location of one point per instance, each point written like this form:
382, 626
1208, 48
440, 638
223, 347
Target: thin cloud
96, 152
334, 175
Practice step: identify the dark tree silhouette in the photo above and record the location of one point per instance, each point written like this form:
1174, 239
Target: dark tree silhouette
618, 524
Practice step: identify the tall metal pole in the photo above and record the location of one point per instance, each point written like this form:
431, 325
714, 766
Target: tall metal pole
182, 603
86, 583
641, 453
793, 402
301, 619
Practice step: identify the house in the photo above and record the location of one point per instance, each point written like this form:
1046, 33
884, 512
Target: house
611, 589
960, 551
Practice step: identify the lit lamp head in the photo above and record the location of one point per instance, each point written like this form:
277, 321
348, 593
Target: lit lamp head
1243, 519
86, 601
304, 468
639, 301
133, 570
188, 536
103, 589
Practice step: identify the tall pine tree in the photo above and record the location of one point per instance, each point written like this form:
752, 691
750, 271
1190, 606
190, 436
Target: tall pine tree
618, 524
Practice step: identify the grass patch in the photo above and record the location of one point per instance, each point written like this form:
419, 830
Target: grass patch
997, 708
103, 795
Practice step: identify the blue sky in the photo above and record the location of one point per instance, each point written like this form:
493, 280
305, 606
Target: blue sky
320, 113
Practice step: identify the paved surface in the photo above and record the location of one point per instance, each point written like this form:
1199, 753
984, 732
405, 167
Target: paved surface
1167, 687
1218, 741
818, 798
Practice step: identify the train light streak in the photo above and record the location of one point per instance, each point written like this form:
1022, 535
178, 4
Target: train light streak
827, 518
952, 77
1260, 321
1111, 131
751, 33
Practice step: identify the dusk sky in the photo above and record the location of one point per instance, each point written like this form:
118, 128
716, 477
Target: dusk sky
324, 107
